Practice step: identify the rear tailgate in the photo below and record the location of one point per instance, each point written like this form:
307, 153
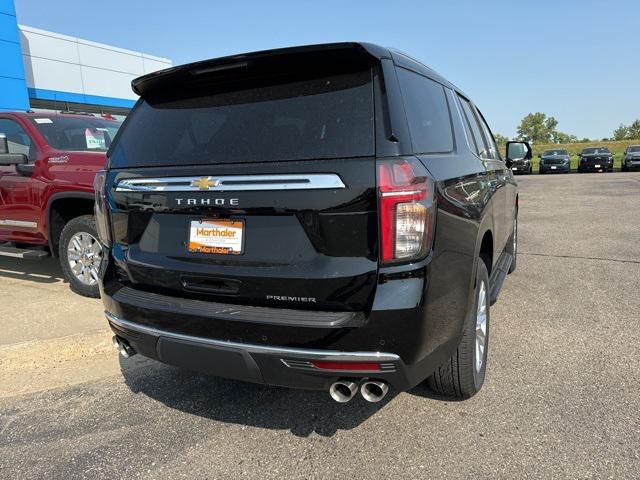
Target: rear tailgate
313, 247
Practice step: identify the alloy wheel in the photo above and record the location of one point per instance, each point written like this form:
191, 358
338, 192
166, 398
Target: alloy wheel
84, 254
481, 326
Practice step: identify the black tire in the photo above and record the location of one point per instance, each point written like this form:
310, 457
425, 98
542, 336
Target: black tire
458, 377
77, 225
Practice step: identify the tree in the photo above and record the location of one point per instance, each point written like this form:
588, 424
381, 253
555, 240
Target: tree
537, 128
501, 140
561, 137
621, 133
634, 130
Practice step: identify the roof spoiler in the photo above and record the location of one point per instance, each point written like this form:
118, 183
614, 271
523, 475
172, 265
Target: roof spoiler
311, 57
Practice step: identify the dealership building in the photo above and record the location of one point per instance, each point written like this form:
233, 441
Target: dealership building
41, 70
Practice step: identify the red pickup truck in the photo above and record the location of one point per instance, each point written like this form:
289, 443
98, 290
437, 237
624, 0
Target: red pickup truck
48, 163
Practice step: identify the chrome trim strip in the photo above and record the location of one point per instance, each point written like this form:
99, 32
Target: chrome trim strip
251, 348
18, 223
232, 183
11, 254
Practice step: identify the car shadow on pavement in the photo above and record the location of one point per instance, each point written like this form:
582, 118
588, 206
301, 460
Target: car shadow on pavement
39, 271
301, 412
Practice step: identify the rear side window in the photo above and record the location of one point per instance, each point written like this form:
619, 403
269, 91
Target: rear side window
493, 149
328, 117
481, 148
427, 113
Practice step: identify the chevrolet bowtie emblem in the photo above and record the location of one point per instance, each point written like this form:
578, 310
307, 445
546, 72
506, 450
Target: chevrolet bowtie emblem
205, 183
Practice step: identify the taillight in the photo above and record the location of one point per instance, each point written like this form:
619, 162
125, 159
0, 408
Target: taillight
406, 208
101, 211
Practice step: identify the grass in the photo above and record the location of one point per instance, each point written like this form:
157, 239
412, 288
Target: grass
617, 147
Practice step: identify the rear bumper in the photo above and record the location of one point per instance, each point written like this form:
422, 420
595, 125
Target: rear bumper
271, 365
408, 335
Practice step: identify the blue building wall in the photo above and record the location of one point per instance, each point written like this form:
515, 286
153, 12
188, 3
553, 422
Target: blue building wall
57, 71
13, 86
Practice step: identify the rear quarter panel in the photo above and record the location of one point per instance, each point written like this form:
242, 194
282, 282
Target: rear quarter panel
464, 200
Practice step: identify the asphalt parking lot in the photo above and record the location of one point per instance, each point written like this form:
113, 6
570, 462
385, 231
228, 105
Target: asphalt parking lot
561, 397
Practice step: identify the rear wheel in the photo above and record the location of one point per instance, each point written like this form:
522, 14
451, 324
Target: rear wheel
80, 255
463, 374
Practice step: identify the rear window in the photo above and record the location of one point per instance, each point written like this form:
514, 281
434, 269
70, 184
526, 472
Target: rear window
83, 133
328, 117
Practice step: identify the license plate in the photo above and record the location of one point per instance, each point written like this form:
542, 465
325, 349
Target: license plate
553, 168
597, 166
514, 168
222, 237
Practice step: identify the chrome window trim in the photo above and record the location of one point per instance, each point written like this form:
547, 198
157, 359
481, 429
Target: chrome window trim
18, 223
232, 183
259, 349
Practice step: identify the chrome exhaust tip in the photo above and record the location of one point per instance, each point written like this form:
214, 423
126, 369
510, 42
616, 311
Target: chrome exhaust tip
123, 347
343, 390
373, 390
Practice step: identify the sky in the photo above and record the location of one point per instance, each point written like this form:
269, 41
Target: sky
577, 60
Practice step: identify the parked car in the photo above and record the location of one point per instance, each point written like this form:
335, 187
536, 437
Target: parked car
596, 159
47, 167
271, 217
555, 160
521, 159
631, 158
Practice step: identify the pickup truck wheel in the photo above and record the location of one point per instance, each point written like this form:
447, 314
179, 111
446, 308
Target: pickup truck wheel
512, 244
463, 374
80, 255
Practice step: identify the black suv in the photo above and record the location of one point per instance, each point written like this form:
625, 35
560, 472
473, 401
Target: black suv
328, 217
631, 158
556, 160
597, 159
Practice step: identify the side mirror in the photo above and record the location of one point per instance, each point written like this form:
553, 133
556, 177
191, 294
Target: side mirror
7, 158
518, 151
13, 159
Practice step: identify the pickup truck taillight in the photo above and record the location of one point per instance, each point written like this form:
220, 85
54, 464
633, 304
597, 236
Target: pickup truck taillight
101, 211
406, 209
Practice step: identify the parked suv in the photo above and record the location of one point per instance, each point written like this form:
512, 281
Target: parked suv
598, 159
47, 165
631, 158
556, 160
326, 217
